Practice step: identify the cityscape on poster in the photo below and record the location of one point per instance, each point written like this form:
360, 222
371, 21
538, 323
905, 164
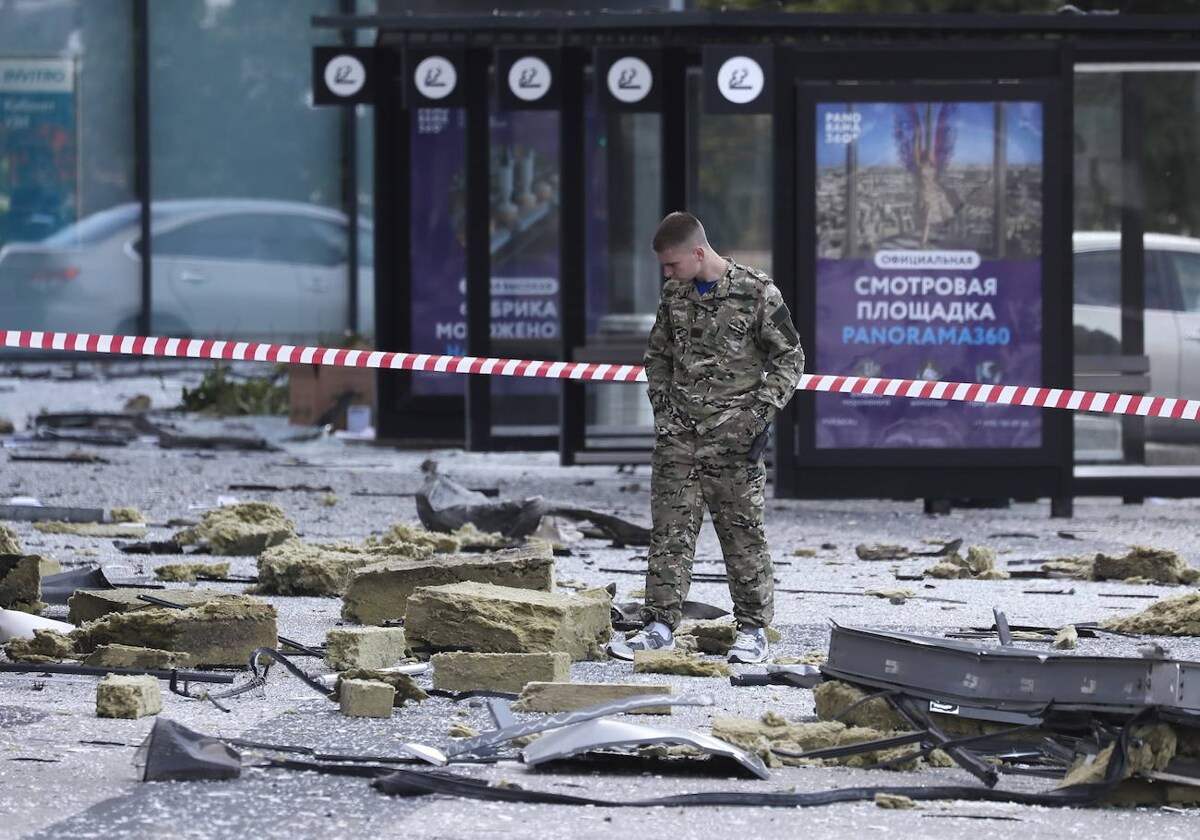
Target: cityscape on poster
929, 231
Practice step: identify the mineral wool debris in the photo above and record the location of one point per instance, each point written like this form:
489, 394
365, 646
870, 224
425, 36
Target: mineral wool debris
240, 530
379, 592
502, 619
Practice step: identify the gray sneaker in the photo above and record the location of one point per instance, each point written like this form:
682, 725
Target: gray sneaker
750, 646
654, 636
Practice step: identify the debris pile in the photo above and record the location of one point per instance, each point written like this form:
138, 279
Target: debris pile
240, 530
1178, 616
1142, 564
979, 564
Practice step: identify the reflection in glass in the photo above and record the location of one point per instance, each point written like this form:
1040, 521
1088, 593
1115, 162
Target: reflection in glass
66, 154
233, 121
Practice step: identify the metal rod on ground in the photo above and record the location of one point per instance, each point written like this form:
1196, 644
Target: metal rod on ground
54, 668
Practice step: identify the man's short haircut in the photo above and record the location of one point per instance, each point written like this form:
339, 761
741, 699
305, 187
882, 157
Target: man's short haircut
678, 229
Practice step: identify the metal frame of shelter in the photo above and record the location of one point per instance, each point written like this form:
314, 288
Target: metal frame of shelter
989, 57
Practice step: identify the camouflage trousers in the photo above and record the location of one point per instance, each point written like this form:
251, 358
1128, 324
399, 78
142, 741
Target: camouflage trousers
691, 473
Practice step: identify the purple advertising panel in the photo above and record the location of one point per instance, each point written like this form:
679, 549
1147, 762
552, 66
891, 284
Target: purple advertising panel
523, 232
929, 232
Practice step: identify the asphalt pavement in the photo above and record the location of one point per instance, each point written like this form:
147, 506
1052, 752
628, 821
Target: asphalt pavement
64, 773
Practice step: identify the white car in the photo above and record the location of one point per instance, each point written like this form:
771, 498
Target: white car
1172, 313
253, 270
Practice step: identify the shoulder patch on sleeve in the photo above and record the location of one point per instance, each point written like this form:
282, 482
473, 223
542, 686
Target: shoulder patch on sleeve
783, 322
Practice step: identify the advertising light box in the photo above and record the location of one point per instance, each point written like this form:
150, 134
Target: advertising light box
928, 266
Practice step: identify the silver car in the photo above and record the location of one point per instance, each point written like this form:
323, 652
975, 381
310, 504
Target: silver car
254, 270
1172, 313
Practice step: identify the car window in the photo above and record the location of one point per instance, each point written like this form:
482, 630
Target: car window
241, 236
315, 241
1187, 271
1098, 279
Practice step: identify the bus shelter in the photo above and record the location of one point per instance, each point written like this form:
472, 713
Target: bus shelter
971, 198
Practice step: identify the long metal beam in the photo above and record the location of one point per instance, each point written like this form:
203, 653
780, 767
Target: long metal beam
1010, 678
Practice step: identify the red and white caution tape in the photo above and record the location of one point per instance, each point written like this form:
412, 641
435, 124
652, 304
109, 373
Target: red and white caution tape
195, 348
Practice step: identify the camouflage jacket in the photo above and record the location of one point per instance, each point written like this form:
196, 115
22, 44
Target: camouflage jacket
711, 358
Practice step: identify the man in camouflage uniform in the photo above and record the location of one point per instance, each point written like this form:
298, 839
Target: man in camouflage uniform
723, 357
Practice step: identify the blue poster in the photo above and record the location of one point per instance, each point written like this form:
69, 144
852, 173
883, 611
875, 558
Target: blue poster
38, 149
929, 231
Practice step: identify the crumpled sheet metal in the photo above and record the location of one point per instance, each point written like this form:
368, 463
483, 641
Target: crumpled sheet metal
489, 741
57, 589
1009, 678
445, 505
606, 733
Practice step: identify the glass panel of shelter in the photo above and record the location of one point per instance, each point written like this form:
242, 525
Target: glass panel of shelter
1170, 144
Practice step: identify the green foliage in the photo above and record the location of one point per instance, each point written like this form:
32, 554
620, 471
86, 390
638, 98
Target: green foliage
218, 394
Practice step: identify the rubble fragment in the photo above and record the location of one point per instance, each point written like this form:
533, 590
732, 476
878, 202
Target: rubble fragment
403, 534
979, 564
298, 568
714, 636
1142, 564
838, 700
128, 696
20, 583
9, 544
404, 686
364, 647
1072, 567
44, 646
508, 672
240, 530
128, 656
379, 592
126, 514
501, 619
219, 633
1178, 616
678, 663
894, 801
365, 698
459, 729
190, 572
1067, 638
568, 697
1150, 748
1155, 564
772, 732
89, 604
90, 529
881, 551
